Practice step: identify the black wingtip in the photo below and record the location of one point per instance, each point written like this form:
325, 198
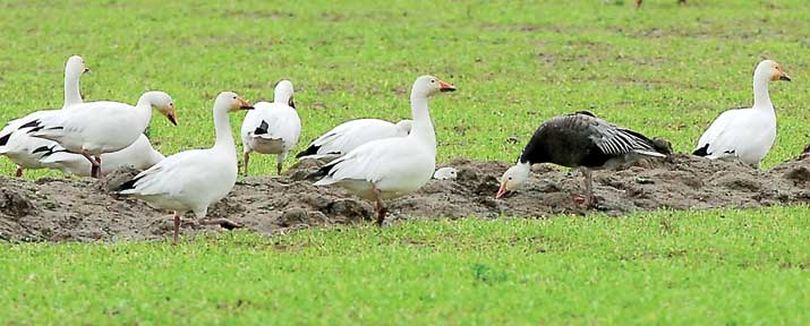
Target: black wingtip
322, 171
703, 151
4, 139
127, 185
46, 149
30, 124
311, 150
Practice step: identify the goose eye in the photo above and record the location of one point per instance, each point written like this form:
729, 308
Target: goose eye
432, 81
234, 97
510, 178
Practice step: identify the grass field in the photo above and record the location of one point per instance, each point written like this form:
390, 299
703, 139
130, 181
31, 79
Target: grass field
729, 267
664, 70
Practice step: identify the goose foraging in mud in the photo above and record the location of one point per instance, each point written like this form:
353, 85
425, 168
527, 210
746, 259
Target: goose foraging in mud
747, 133
95, 128
17, 145
582, 141
391, 167
272, 128
193, 180
351, 134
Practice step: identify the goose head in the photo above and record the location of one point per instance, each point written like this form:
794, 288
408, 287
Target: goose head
514, 178
283, 93
770, 70
231, 102
161, 102
427, 86
75, 66
405, 126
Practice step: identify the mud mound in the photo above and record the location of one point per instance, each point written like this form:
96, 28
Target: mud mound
85, 210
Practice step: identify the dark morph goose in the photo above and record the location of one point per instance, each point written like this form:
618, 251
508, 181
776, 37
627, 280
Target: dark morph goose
583, 141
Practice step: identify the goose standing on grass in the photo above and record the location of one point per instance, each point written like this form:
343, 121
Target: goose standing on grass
17, 145
748, 133
272, 128
582, 141
195, 179
95, 128
391, 167
140, 156
348, 135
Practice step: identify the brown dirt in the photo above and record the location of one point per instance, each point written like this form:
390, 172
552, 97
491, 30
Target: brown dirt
85, 210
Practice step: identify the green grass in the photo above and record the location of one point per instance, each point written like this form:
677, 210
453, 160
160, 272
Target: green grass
728, 267
664, 70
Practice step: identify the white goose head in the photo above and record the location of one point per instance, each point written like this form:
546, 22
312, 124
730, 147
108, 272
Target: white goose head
231, 102
771, 71
283, 93
514, 178
75, 66
161, 102
427, 86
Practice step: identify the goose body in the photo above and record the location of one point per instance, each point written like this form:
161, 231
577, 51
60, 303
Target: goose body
140, 156
582, 141
351, 134
17, 145
746, 134
391, 167
272, 128
96, 128
193, 180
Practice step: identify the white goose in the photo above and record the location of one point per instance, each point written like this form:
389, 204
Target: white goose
95, 128
748, 133
18, 146
140, 156
193, 180
391, 167
348, 135
272, 128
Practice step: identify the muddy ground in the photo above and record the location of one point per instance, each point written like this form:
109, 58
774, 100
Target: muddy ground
84, 210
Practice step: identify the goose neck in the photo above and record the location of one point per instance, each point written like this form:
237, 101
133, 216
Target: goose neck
72, 95
222, 128
761, 97
144, 108
422, 124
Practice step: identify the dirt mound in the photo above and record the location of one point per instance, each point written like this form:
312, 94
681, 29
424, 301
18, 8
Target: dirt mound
85, 210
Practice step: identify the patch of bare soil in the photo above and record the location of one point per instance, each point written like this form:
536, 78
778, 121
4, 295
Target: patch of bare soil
86, 210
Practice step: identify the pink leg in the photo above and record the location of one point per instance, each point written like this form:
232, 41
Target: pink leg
94, 164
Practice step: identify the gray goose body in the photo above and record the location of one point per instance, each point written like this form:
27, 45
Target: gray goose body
583, 141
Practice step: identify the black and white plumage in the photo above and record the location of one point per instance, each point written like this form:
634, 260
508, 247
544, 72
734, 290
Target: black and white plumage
195, 179
17, 145
746, 134
583, 141
95, 128
391, 167
350, 135
272, 128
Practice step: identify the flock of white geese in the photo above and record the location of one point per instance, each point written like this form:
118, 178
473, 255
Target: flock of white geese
374, 159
